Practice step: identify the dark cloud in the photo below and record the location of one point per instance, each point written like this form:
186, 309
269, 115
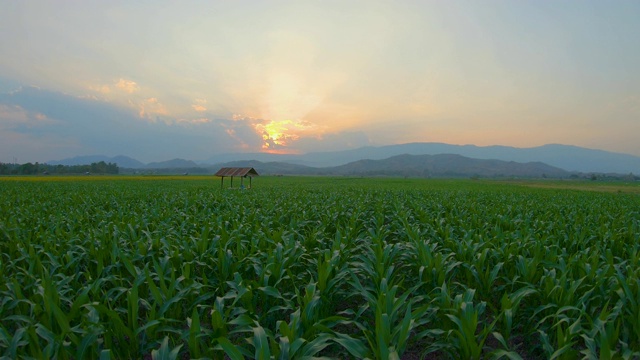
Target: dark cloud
89, 126
8, 84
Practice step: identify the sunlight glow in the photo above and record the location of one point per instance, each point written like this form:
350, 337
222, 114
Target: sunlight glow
277, 133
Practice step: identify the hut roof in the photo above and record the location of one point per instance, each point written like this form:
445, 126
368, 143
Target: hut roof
236, 171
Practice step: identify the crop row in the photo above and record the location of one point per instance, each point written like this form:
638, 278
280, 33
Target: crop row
184, 269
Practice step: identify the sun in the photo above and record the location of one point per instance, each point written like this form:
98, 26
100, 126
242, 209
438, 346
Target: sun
277, 135
280, 136
275, 131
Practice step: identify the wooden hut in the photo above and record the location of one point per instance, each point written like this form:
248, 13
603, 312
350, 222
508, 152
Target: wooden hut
241, 172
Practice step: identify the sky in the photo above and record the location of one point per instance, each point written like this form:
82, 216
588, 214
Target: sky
157, 80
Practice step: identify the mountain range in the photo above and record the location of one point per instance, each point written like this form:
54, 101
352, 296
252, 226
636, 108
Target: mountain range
566, 158
442, 165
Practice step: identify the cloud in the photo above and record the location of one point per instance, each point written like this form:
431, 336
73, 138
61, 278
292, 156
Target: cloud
23, 135
148, 106
280, 135
300, 136
12, 115
128, 86
33, 119
151, 108
199, 105
198, 108
103, 89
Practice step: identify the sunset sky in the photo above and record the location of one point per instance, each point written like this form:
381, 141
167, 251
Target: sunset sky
157, 80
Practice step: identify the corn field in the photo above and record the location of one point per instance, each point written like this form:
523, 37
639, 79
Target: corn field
304, 268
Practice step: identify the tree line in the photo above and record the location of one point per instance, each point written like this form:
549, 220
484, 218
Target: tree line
45, 169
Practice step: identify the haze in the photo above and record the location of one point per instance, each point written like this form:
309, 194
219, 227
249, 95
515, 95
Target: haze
163, 79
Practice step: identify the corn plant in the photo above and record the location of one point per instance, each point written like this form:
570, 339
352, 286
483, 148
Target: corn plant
163, 267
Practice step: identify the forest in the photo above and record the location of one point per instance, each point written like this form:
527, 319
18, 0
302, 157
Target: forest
46, 169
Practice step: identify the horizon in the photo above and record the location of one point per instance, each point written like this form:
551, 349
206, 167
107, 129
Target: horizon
188, 80
569, 158
205, 161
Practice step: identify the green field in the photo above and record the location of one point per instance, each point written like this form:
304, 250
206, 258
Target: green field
115, 267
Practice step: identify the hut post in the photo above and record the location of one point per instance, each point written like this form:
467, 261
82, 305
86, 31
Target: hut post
222, 182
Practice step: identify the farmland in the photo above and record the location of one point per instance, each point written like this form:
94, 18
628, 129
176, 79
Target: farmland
176, 267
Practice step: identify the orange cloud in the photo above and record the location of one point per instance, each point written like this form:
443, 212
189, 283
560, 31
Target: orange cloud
149, 107
103, 89
239, 139
278, 134
238, 117
13, 115
128, 86
199, 105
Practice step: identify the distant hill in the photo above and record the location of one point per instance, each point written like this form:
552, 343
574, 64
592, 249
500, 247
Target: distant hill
447, 165
172, 164
126, 162
443, 165
273, 167
567, 157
